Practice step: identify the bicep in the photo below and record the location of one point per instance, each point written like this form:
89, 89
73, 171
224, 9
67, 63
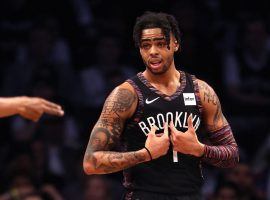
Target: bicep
107, 131
212, 112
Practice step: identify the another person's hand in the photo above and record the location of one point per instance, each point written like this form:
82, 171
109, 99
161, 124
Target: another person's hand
186, 142
158, 145
33, 108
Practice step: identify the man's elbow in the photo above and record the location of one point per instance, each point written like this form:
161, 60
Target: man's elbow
88, 168
234, 161
236, 157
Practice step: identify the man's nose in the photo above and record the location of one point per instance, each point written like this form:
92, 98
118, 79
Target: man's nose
154, 50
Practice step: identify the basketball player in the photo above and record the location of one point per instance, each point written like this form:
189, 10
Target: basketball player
141, 112
31, 108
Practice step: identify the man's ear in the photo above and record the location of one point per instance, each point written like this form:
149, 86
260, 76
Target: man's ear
140, 49
176, 46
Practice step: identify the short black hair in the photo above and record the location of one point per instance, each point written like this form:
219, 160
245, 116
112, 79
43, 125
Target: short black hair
167, 23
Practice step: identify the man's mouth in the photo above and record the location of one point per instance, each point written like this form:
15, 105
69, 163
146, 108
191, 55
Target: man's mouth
155, 63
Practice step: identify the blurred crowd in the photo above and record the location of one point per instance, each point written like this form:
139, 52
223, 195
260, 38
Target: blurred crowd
74, 52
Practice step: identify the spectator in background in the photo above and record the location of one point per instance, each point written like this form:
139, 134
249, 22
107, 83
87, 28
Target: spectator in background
247, 70
46, 54
243, 177
97, 188
261, 167
226, 191
246, 78
23, 187
20, 185
107, 72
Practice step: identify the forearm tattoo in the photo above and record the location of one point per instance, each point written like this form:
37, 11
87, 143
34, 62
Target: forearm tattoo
109, 162
209, 96
106, 134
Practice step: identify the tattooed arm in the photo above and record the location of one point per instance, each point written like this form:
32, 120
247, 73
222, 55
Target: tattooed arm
98, 159
224, 152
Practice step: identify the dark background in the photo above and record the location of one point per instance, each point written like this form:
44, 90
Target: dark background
74, 52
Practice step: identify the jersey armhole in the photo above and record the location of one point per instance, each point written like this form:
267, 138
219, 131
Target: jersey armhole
135, 118
197, 94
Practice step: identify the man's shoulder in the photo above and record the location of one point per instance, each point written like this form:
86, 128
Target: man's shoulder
125, 86
125, 97
205, 90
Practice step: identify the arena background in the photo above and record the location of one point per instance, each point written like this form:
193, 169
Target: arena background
74, 52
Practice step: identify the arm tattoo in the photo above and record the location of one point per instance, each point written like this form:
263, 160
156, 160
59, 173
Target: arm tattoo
106, 134
117, 103
223, 150
99, 139
108, 162
209, 96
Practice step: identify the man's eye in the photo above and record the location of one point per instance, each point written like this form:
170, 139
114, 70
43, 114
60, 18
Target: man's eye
145, 46
161, 44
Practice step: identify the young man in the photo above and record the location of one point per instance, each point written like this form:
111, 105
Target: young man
142, 112
31, 108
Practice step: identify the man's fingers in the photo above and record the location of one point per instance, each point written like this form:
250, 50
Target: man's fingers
53, 111
153, 131
172, 138
190, 123
50, 104
173, 130
31, 115
172, 127
54, 106
166, 131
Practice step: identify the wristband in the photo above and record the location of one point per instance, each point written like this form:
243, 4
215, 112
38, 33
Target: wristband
149, 153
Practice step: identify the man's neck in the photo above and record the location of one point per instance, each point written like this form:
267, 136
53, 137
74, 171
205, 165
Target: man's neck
170, 77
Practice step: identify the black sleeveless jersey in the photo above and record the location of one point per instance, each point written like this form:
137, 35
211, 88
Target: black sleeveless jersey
174, 173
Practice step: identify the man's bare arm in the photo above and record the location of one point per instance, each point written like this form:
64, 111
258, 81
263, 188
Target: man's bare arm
31, 108
213, 116
98, 158
223, 151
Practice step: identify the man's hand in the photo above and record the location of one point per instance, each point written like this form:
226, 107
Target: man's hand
158, 145
33, 108
186, 142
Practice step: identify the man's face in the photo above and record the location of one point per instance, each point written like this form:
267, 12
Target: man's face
154, 50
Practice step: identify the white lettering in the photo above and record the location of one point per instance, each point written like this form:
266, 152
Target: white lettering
197, 124
169, 117
151, 121
177, 121
185, 121
161, 120
144, 128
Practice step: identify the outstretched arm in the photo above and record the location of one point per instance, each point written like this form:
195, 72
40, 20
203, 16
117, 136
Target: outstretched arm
98, 158
31, 108
223, 151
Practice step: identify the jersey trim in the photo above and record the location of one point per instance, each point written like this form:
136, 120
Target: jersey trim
138, 112
179, 90
197, 93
